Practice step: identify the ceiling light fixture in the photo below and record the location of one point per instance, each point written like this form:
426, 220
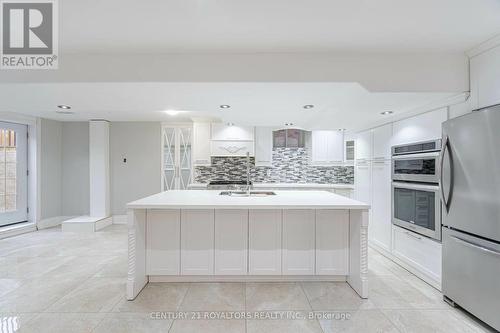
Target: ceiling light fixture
385, 113
230, 124
64, 107
225, 106
288, 124
308, 106
172, 112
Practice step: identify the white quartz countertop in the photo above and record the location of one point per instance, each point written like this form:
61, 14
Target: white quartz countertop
206, 199
287, 185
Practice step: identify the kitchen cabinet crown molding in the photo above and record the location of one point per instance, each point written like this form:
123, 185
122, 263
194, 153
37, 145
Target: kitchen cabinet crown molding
484, 46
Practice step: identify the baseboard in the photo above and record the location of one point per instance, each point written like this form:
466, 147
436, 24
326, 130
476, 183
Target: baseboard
381, 249
119, 219
418, 273
17, 229
52, 222
246, 278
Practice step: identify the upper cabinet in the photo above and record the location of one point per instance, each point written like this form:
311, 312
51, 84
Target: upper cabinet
289, 138
424, 127
232, 133
263, 146
364, 141
382, 139
327, 147
349, 147
201, 144
485, 78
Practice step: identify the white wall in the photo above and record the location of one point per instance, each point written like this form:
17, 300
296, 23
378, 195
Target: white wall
140, 176
75, 168
50, 169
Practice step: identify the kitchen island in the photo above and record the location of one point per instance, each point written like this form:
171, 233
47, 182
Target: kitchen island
200, 235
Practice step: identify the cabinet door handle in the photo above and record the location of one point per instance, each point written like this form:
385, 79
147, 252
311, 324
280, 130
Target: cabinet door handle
413, 235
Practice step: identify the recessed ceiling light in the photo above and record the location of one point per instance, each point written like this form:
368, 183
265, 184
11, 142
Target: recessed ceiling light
288, 124
386, 112
225, 106
172, 112
308, 106
230, 124
64, 107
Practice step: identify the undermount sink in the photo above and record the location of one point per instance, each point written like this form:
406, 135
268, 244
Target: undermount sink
247, 194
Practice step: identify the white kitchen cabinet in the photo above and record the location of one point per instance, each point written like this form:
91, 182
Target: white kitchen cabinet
460, 109
232, 148
362, 182
298, 241
263, 146
380, 227
424, 127
264, 237
232, 132
332, 242
419, 253
349, 148
364, 144
197, 242
176, 156
382, 139
163, 242
201, 144
485, 78
231, 235
327, 147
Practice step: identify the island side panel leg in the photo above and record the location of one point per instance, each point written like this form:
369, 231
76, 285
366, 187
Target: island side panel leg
136, 277
358, 249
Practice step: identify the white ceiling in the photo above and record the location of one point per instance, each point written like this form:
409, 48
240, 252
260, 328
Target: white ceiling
276, 25
337, 105
118, 27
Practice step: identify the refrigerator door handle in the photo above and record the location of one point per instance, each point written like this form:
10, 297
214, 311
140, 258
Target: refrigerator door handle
446, 147
475, 246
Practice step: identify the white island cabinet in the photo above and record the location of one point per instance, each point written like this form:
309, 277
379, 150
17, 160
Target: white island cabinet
200, 235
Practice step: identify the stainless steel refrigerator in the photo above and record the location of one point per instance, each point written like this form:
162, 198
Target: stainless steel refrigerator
470, 194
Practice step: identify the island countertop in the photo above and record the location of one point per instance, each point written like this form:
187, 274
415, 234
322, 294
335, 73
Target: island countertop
203, 199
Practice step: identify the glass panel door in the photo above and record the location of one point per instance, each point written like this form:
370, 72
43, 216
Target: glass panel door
185, 157
176, 159
416, 207
417, 166
13, 173
169, 170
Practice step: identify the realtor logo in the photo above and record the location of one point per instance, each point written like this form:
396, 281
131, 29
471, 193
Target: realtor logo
29, 34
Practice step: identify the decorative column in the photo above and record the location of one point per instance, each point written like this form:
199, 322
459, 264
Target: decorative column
99, 169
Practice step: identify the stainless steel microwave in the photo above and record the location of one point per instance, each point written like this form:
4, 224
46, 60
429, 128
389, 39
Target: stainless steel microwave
416, 162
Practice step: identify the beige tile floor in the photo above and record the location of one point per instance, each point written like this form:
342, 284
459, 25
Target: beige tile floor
75, 282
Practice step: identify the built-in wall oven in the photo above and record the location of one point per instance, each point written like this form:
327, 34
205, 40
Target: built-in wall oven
416, 203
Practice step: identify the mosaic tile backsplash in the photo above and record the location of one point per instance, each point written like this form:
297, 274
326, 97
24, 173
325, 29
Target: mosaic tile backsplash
290, 165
